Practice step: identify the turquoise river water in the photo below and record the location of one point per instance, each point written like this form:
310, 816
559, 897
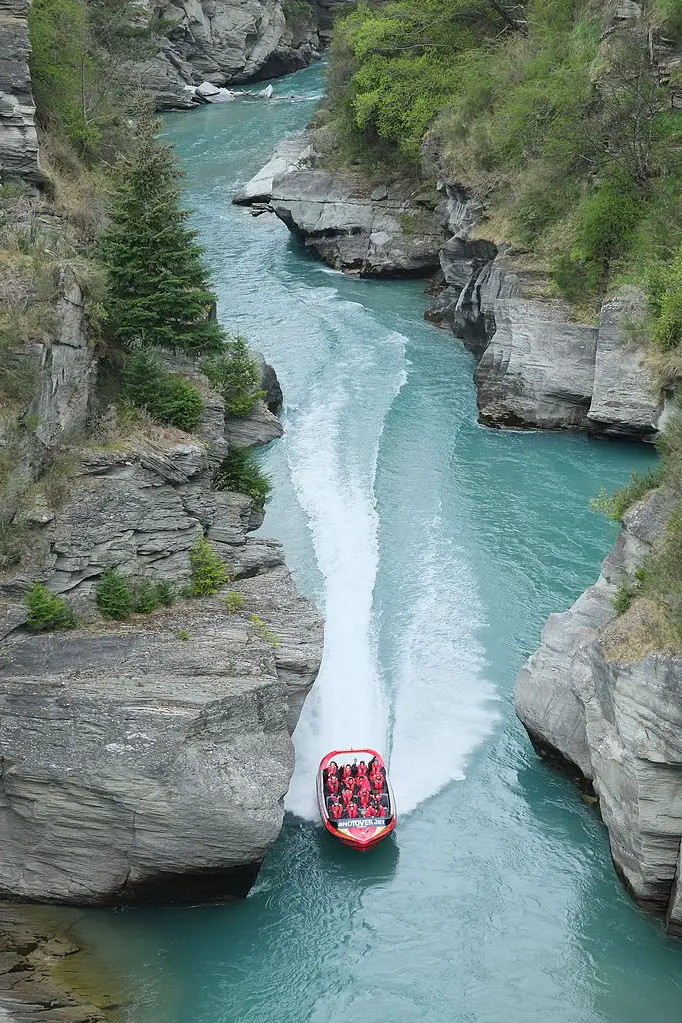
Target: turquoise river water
436, 548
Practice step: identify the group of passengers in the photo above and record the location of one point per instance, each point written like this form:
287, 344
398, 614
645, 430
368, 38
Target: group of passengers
357, 790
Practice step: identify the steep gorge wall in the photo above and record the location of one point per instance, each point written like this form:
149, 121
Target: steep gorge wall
18, 136
602, 700
226, 41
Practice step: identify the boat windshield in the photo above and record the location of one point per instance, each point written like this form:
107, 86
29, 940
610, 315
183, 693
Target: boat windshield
356, 787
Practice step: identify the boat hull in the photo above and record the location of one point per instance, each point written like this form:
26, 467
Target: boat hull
356, 833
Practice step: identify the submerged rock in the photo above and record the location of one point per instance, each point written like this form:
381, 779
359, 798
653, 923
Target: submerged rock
606, 700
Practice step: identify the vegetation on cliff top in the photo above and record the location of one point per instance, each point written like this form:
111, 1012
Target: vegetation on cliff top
562, 133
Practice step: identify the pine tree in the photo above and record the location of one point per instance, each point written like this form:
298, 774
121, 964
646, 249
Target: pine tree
158, 283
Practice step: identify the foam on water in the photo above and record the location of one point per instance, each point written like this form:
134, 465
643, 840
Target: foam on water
442, 705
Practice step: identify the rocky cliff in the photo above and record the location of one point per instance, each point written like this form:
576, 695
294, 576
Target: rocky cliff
605, 698
537, 365
225, 41
146, 760
18, 136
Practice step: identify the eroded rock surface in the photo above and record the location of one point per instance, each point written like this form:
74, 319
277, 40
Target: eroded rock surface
224, 41
356, 226
18, 136
610, 706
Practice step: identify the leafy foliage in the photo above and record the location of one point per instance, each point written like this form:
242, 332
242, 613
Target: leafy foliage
77, 71
233, 601
148, 596
167, 396
615, 505
239, 471
46, 610
664, 286
235, 375
158, 284
209, 572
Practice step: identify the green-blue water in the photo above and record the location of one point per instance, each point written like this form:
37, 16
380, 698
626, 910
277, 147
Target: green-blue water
436, 548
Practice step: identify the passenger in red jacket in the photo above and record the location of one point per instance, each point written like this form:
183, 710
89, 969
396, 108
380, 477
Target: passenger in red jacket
363, 799
333, 785
352, 811
346, 772
336, 809
346, 797
377, 807
378, 784
363, 783
362, 769
333, 768
349, 782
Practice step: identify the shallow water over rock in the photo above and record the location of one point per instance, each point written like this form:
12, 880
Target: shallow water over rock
436, 549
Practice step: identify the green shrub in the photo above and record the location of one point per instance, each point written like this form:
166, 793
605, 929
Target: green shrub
606, 221
46, 610
664, 287
623, 597
148, 595
168, 397
261, 628
615, 505
236, 376
113, 596
239, 471
209, 572
233, 601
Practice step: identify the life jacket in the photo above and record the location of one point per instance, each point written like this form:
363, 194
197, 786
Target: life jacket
349, 782
333, 785
336, 810
346, 796
347, 772
363, 783
378, 783
332, 769
362, 770
364, 798
352, 810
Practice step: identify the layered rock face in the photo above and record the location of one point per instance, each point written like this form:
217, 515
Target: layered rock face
144, 760
538, 367
350, 223
147, 761
224, 41
598, 697
18, 137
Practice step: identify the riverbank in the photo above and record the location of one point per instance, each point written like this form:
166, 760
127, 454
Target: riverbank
47, 975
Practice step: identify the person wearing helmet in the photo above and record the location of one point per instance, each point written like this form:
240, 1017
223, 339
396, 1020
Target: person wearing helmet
333, 785
336, 809
352, 810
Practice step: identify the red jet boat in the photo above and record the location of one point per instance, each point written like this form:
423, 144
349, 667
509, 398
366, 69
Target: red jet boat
359, 828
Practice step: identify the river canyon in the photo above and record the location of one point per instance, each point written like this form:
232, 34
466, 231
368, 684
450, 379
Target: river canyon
435, 549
